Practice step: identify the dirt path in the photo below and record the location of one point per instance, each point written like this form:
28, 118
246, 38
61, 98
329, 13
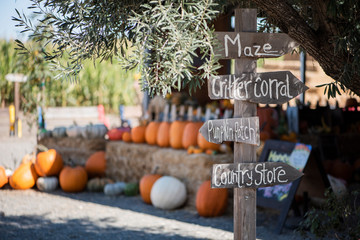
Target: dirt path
31, 214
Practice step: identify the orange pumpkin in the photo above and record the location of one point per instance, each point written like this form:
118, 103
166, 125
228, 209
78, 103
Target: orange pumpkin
138, 134
126, 137
3, 177
146, 183
24, 177
211, 202
163, 135
95, 165
198, 150
48, 163
30, 157
204, 144
176, 134
190, 134
151, 132
73, 179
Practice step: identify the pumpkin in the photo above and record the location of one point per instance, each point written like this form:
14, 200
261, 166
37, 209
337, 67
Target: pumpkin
74, 131
126, 137
24, 177
114, 188
146, 183
151, 132
73, 179
29, 157
115, 134
211, 202
190, 134
131, 189
97, 184
47, 184
138, 134
176, 134
198, 150
96, 164
95, 131
210, 152
3, 177
163, 137
204, 144
59, 132
48, 163
168, 193
190, 149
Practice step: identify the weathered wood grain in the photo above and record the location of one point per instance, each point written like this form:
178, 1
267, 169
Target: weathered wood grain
254, 45
266, 88
245, 198
244, 130
253, 175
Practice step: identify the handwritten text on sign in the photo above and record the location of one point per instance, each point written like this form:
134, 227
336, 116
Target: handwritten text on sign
252, 175
254, 45
244, 130
267, 88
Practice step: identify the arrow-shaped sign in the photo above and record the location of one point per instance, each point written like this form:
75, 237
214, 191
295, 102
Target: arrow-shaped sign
244, 130
267, 88
253, 175
254, 45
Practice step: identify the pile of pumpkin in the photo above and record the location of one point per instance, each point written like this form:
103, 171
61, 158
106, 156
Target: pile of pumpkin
177, 135
168, 193
46, 170
90, 131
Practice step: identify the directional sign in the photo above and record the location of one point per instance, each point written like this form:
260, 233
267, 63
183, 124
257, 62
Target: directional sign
253, 175
16, 77
254, 45
267, 88
244, 130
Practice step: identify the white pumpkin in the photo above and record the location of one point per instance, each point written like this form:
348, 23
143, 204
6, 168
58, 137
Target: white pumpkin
168, 193
74, 131
47, 184
114, 188
59, 132
94, 131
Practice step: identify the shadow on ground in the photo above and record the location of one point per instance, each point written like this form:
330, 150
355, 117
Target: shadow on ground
267, 219
137, 205
38, 227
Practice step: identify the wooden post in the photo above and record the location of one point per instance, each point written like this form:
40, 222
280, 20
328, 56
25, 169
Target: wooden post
245, 199
17, 105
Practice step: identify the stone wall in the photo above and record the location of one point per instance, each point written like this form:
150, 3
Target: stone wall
76, 150
129, 162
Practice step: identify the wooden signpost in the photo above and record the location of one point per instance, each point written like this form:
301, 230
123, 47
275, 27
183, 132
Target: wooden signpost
253, 175
267, 88
247, 89
244, 130
254, 45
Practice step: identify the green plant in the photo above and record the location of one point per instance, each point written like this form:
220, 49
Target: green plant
337, 218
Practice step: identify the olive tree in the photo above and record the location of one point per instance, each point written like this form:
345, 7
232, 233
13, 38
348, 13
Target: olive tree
166, 36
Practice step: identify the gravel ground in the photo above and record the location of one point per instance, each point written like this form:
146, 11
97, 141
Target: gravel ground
31, 214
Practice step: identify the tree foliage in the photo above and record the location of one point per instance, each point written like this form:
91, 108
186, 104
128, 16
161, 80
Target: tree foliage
165, 37
168, 37
101, 83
